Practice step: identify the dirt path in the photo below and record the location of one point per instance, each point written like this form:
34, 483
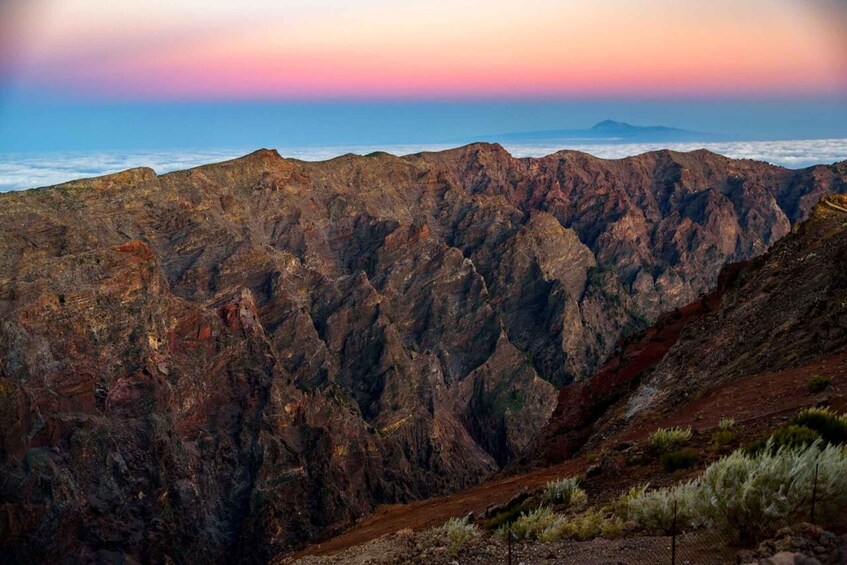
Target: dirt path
757, 403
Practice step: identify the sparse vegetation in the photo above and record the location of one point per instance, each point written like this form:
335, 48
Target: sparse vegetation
679, 459
810, 425
457, 532
832, 427
789, 436
723, 438
534, 523
725, 435
543, 524
587, 525
750, 495
654, 509
726, 424
667, 439
620, 506
818, 383
566, 492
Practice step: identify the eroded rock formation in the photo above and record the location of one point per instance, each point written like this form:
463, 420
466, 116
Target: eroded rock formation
217, 363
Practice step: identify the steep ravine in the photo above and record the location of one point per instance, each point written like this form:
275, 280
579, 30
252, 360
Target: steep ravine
218, 363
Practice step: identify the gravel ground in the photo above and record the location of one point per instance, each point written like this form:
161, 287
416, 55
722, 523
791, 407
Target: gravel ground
424, 547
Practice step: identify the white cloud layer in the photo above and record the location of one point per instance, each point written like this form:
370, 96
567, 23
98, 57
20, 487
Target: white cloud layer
21, 171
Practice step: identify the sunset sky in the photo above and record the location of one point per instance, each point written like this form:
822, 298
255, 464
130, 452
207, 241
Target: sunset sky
145, 54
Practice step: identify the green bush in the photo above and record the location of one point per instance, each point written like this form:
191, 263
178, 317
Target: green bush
679, 459
666, 439
544, 525
723, 438
457, 532
752, 495
830, 426
588, 525
818, 383
789, 436
620, 506
535, 523
565, 491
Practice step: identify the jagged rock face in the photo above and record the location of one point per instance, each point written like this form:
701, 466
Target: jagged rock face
215, 364
786, 308
783, 309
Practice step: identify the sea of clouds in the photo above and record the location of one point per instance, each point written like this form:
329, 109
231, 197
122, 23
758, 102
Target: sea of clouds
29, 170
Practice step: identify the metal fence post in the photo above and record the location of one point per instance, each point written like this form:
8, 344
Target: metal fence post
673, 535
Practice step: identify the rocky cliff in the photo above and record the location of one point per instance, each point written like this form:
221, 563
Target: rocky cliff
218, 363
779, 311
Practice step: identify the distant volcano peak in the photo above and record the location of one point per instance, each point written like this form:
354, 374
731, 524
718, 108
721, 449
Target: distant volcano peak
611, 131
612, 124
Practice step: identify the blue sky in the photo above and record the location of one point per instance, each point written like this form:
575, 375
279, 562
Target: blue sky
51, 125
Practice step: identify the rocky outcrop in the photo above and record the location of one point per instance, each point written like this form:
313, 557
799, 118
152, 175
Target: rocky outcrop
804, 543
781, 310
218, 363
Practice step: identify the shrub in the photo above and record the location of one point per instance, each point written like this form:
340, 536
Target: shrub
565, 491
535, 523
655, 509
789, 436
830, 426
620, 506
726, 424
818, 383
751, 495
666, 439
722, 438
588, 525
593, 523
457, 532
507, 516
679, 459
545, 525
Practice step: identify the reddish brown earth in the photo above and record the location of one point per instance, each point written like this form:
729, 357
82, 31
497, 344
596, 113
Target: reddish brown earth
216, 364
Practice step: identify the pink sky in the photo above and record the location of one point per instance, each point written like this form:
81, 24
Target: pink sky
192, 49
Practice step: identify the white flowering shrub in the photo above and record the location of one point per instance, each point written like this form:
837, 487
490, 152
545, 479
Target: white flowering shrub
456, 533
534, 523
750, 495
655, 509
566, 492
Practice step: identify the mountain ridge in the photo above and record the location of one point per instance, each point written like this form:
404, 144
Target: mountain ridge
266, 348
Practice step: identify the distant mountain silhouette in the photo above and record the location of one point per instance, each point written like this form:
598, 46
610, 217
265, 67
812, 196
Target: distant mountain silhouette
610, 131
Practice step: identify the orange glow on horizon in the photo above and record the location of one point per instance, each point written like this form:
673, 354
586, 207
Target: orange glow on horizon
468, 48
